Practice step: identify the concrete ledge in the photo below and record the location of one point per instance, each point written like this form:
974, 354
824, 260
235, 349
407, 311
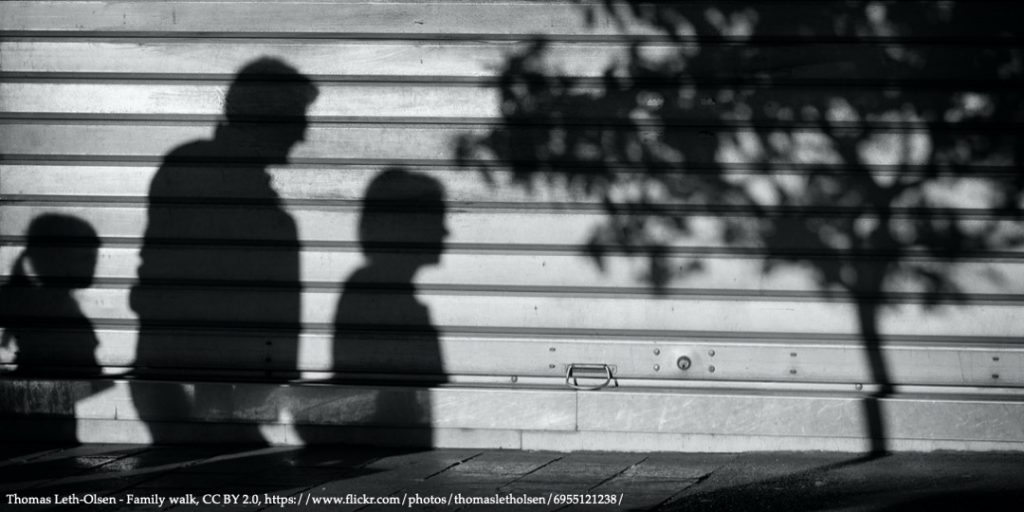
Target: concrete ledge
306, 404
931, 418
711, 443
507, 418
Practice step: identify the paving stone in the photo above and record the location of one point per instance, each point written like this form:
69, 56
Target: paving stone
659, 478
244, 461
16, 454
429, 461
588, 469
48, 453
677, 466
498, 466
333, 456
51, 470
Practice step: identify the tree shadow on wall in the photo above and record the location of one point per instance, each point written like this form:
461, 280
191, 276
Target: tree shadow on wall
874, 145
44, 322
220, 257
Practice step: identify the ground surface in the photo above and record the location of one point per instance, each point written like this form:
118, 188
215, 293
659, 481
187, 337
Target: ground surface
146, 478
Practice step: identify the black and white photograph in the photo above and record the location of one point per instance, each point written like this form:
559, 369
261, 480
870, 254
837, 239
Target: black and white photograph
504, 255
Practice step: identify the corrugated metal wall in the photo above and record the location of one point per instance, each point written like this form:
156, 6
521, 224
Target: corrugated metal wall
823, 196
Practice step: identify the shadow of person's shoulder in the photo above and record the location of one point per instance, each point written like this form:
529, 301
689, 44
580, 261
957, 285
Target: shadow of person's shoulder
194, 153
181, 167
203, 168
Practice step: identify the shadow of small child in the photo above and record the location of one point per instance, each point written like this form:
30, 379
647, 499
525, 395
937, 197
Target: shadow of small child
43, 323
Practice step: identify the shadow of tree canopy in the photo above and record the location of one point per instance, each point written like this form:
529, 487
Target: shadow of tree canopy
868, 143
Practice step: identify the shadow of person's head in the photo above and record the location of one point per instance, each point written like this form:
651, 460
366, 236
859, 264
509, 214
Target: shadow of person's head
69, 265
265, 109
403, 212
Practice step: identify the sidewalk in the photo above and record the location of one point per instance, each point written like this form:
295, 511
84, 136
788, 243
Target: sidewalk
132, 477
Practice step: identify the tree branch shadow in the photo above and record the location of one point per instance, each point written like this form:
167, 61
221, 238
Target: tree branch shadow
858, 142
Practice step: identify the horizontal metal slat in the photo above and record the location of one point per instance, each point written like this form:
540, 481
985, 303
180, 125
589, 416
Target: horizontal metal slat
452, 101
473, 226
283, 309
453, 18
740, 363
708, 273
129, 181
122, 139
223, 57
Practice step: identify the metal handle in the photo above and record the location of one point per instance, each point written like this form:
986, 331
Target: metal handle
574, 368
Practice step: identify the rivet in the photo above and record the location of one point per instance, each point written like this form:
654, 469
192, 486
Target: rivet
551, 366
995, 375
792, 372
996, 358
711, 369
859, 387
711, 353
657, 367
552, 349
792, 354
657, 351
515, 378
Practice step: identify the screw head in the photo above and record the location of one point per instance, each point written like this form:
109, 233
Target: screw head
684, 363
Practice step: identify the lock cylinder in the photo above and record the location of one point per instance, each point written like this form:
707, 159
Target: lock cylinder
684, 363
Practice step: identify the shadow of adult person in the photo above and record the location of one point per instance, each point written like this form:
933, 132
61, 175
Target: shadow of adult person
401, 230
220, 255
42, 318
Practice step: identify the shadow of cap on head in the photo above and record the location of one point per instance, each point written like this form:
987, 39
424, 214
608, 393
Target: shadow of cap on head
267, 87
